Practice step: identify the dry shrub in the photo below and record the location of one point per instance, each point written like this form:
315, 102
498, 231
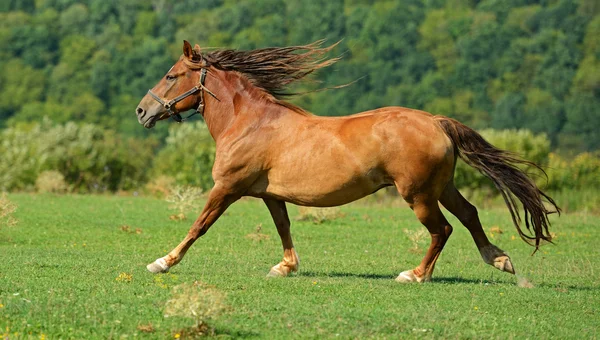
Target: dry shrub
183, 199
196, 301
161, 186
318, 215
148, 328
258, 236
7, 209
51, 181
129, 230
415, 237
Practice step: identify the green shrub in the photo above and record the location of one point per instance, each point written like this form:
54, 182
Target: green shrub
188, 155
20, 156
582, 172
90, 159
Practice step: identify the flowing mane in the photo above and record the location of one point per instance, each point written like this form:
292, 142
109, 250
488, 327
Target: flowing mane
271, 69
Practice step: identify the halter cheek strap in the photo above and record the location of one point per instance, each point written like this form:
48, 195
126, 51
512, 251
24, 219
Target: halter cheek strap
169, 104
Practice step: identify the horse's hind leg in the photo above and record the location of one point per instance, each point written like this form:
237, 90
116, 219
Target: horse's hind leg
430, 215
290, 260
467, 214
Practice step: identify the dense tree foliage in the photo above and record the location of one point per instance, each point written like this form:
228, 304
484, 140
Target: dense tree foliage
490, 63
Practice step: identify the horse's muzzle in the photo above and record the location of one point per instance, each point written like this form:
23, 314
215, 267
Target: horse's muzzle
147, 120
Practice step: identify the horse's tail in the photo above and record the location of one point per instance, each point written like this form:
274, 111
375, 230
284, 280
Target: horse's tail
502, 168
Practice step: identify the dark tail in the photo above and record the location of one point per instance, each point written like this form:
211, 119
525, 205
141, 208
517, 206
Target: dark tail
502, 168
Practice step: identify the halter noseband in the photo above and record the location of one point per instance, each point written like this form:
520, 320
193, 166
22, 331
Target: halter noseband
169, 104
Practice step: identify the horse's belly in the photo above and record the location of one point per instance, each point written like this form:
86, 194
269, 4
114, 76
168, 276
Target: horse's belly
323, 190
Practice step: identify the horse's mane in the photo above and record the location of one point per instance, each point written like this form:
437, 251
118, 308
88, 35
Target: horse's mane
273, 69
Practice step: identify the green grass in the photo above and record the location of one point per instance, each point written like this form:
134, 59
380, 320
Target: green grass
58, 270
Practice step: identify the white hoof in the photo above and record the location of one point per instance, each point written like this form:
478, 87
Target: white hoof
158, 266
277, 271
408, 276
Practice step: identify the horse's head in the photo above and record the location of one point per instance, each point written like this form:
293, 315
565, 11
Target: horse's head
181, 89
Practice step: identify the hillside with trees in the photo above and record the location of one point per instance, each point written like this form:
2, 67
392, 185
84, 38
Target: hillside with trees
526, 73
491, 64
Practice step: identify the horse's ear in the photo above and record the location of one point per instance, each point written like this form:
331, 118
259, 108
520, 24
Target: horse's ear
197, 49
188, 52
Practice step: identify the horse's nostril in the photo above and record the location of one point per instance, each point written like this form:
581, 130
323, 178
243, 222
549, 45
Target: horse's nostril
139, 110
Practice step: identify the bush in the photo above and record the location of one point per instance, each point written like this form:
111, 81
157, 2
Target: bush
93, 160
582, 172
197, 301
90, 159
184, 199
51, 181
318, 215
160, 186
188, 155
20, 157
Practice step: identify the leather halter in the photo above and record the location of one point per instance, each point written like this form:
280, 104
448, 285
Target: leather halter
169, 104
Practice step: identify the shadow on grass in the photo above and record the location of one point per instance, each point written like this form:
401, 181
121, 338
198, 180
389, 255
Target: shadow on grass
564, 288
236, 334
510, 280
455, 279
207, 331
339, 274
443, 280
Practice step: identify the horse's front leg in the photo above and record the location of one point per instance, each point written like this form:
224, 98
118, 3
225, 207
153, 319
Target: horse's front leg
290, 260
218, 200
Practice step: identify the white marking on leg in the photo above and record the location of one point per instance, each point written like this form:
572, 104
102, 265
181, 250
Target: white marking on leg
158, 266
276, 271
407, 276
162, 263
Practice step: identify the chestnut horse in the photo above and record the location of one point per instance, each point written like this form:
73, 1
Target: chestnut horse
271, 149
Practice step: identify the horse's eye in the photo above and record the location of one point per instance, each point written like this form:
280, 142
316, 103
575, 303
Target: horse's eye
170, 77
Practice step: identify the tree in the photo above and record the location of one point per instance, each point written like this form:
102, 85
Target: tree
582, 115
20, 84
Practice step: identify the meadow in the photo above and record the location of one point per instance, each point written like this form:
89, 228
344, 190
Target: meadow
74, 267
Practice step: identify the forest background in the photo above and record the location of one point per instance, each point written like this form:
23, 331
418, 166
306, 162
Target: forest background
525, 73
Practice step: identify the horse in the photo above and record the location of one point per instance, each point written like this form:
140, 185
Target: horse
271, 149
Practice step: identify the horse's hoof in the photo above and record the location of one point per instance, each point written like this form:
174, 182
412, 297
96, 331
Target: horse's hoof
277, 271
496, 257
504, 264
158, 266
409, 276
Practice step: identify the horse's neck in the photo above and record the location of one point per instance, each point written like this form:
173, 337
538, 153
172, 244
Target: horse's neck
240, 105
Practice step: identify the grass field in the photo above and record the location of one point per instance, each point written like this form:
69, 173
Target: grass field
59, 268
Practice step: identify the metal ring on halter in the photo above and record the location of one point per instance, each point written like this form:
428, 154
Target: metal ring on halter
168, 105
